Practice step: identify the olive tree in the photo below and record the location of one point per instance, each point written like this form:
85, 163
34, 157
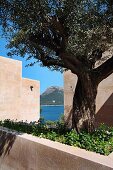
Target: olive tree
64, 35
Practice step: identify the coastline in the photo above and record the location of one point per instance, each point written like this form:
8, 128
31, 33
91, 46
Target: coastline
52, 105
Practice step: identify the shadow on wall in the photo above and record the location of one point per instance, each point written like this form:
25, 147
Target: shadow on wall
105, 114
7, 140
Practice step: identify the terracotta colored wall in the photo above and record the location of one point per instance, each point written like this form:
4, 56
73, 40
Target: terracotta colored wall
31, 99
26, 152
104, 100
16, 99
10, 83
70, 81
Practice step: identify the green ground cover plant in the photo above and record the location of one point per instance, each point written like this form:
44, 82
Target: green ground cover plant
100, 141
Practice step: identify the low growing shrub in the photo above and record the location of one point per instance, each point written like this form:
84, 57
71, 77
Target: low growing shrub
100, 141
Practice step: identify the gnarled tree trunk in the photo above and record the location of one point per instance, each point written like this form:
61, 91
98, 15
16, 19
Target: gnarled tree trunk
83, 112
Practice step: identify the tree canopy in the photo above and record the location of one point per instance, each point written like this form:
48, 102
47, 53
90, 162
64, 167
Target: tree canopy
62, 35
58, 33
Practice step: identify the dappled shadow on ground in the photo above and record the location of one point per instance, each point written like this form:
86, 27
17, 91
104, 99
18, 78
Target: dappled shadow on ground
6, 142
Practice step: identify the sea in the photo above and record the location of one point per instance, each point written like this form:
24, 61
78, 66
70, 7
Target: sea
52, 113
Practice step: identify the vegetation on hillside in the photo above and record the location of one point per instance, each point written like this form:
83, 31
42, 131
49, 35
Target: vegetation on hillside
52, 96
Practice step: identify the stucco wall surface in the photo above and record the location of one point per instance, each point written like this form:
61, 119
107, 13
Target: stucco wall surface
17, 100
104, 99
26, 152
30, 100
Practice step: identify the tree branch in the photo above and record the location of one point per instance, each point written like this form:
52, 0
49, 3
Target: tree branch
71, 58
53, 35
56, 24
48, 61
69, 65
43, 41
95, 56
104, 70
49, 44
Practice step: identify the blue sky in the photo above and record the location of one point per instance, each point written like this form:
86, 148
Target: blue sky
44, 75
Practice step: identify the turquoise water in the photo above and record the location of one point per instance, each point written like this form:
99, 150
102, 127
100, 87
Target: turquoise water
52, 113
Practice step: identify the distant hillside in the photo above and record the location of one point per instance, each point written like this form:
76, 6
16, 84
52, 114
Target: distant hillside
53, 96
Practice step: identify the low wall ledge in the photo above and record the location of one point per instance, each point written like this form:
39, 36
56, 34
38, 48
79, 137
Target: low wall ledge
63, 151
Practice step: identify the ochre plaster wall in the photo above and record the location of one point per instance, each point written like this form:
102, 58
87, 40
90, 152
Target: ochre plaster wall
104, 100
17, 101
31, 99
